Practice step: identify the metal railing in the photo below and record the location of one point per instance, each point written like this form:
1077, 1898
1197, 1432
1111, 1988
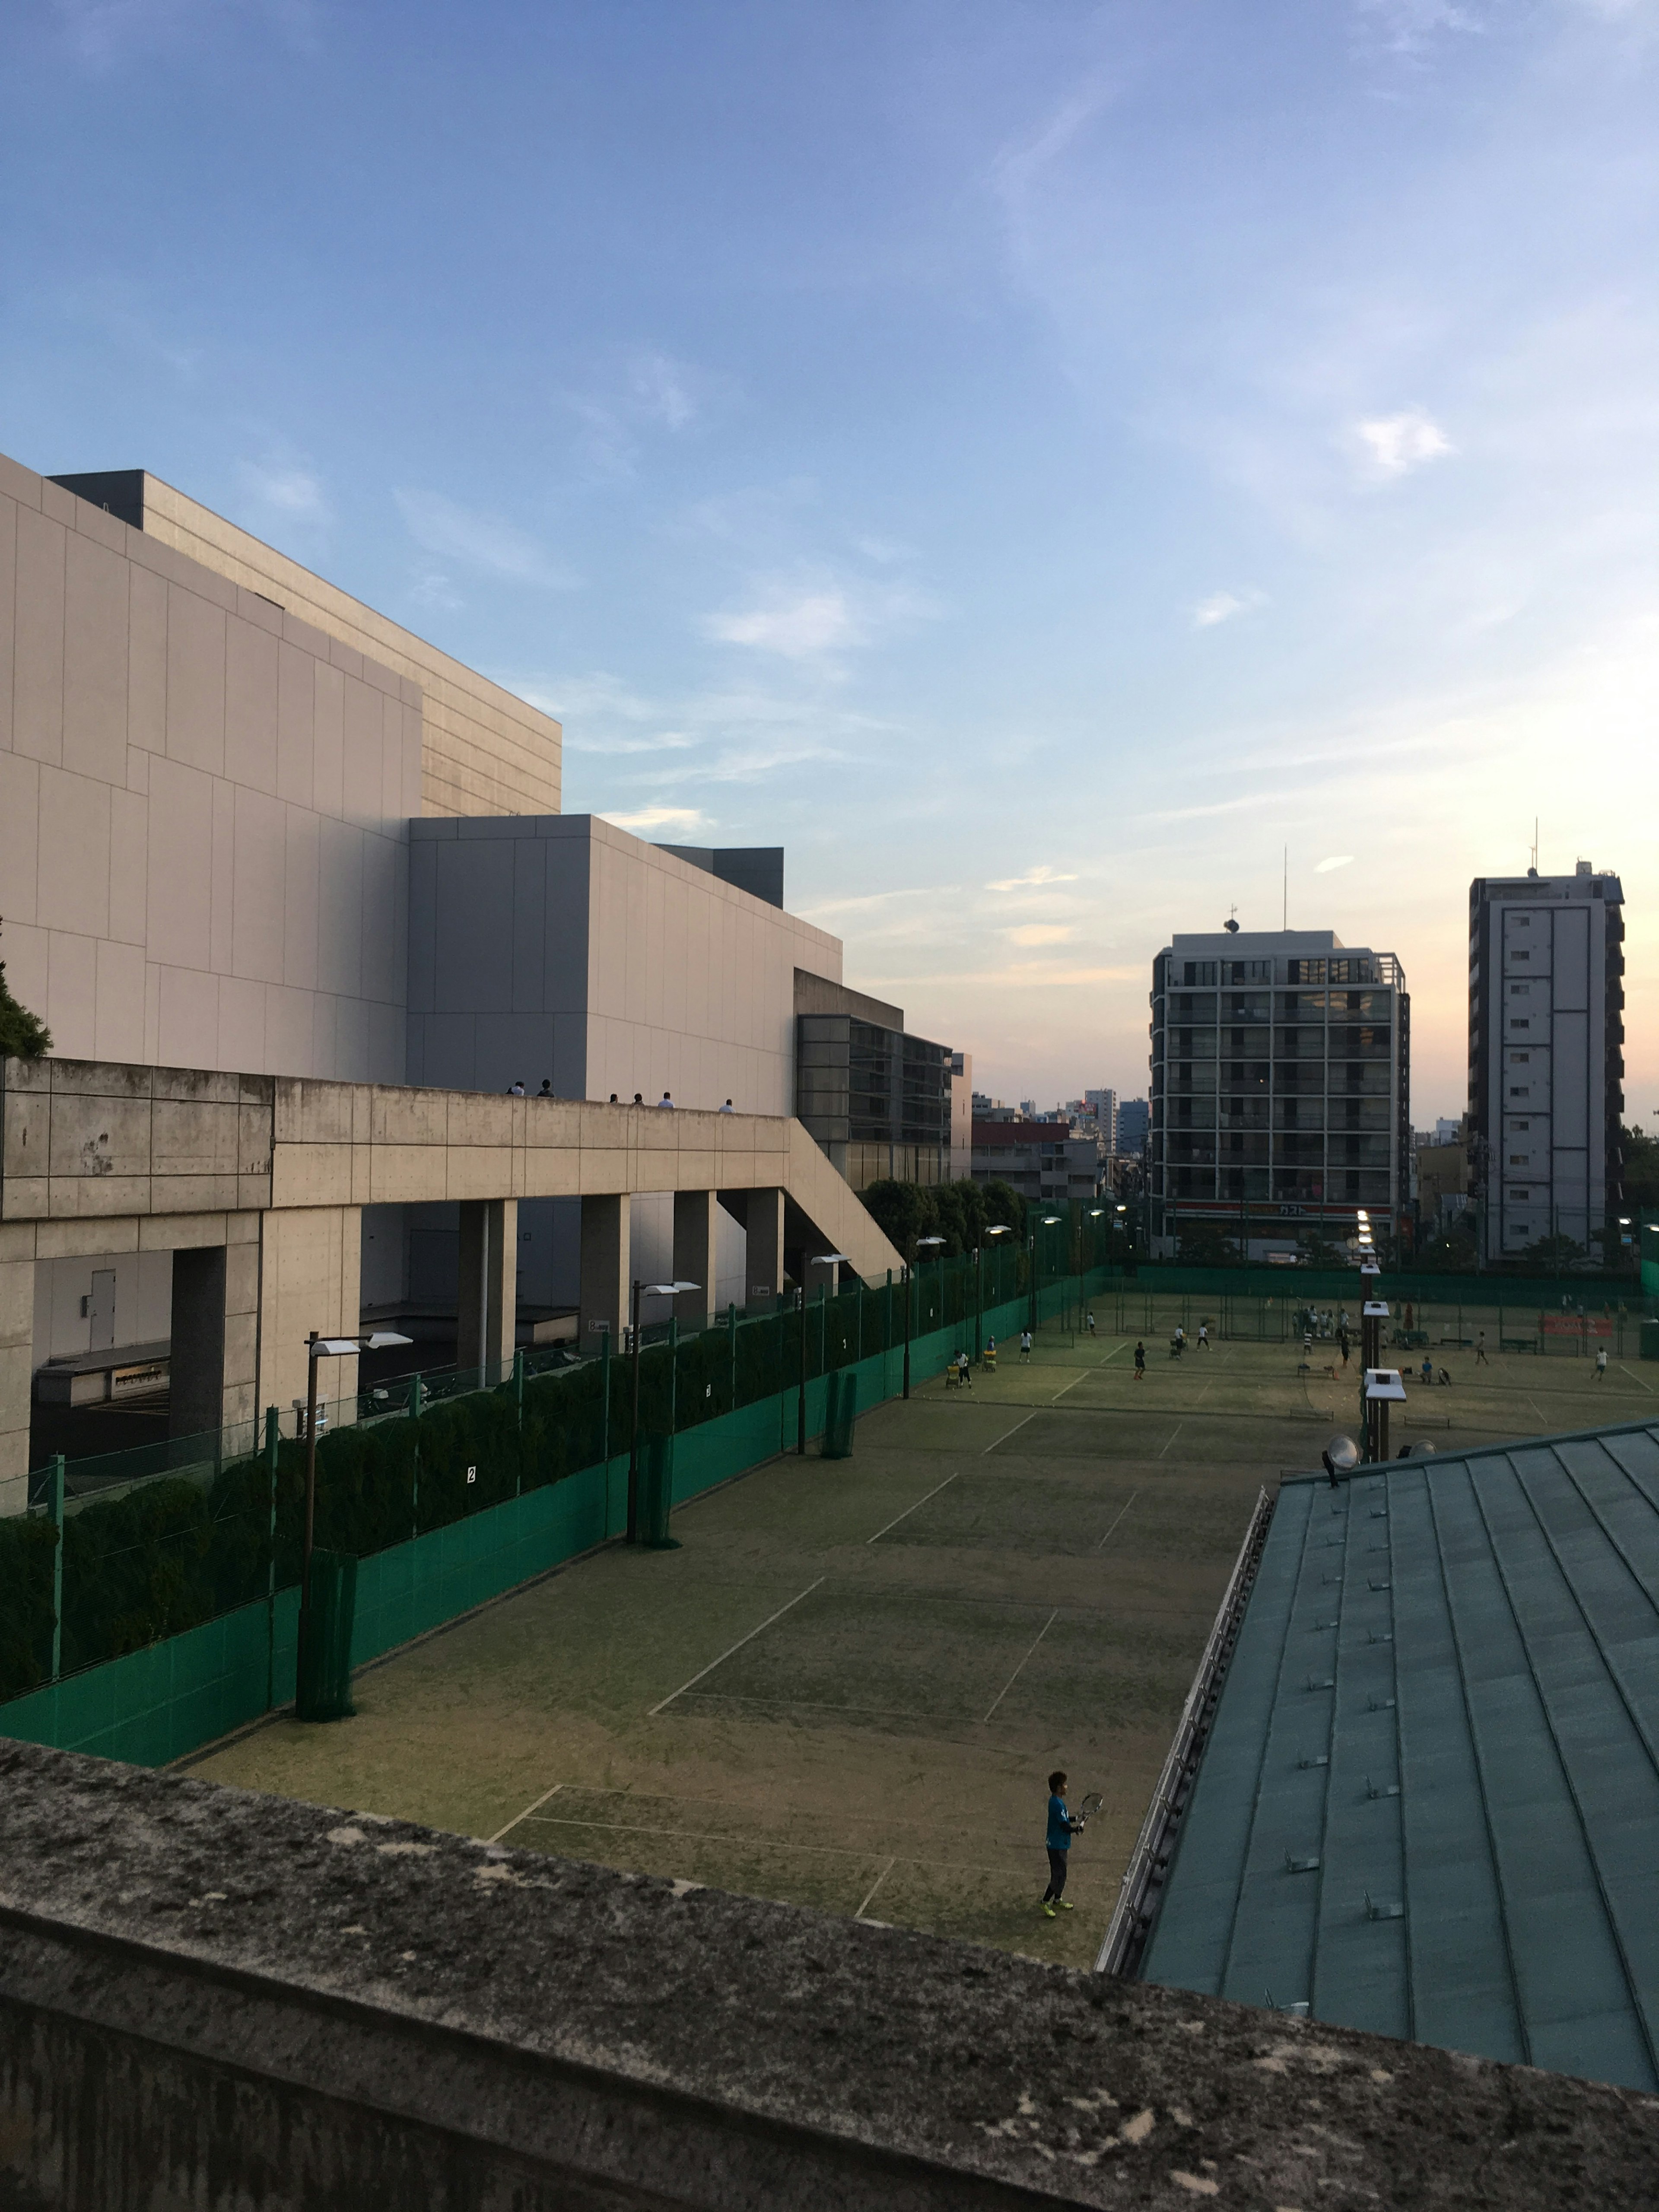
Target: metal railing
1142, 1878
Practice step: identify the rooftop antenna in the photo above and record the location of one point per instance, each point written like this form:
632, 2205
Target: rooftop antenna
1286, 916
1535, 844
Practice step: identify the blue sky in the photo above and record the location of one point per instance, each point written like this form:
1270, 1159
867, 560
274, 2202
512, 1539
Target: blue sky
1036, 461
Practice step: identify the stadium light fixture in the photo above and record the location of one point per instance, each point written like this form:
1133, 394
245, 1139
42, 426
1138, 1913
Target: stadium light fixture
325, 1347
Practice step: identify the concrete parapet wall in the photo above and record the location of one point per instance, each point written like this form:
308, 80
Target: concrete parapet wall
211, 1999
86, 1140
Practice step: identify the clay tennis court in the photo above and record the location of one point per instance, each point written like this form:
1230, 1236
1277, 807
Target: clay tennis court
847, 1687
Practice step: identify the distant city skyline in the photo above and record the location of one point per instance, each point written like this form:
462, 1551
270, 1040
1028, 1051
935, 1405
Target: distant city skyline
1039, 467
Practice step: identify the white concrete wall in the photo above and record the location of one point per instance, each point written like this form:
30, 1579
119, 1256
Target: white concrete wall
559, 946
203, 807
144, 1302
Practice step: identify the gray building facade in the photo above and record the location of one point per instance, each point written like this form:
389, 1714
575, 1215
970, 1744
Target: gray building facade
1547, 1034
1280, 1092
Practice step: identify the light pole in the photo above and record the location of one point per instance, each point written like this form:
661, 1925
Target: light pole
642, 1291
938, 1245
817, 1260
1000, 1229
1046, 1221
325, 1347
1095, 1212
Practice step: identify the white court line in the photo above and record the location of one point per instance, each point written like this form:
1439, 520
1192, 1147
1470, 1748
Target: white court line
1133, 1494
910, 1510
525, 1814
1171, 1438
737, 1646
1006, 1433
1648, 1386
874, 1886
1086, 1373
1015, 1676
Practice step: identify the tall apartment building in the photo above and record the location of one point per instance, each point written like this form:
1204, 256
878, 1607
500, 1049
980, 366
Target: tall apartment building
1104, 1103
1547, 1034
1280, 1097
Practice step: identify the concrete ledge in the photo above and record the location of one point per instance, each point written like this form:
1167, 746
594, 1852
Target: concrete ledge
213, 1999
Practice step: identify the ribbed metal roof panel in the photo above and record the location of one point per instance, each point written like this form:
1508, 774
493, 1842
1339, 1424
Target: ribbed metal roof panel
1430, 1801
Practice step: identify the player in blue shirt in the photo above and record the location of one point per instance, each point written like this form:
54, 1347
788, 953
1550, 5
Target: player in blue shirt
1061, 1828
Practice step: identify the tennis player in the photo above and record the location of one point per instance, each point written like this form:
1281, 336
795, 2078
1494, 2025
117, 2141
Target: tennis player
1062, 1826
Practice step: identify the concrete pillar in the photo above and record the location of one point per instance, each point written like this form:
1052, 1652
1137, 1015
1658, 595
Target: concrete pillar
310, 1273
763, 1273
487, 1316
16, 1360
605, 1283
197, 1362
696, 1256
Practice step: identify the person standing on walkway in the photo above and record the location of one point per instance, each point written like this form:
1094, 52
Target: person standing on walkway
1062, 1826
1140, 1362
667, 1099
1480, 1358
1025, 1348
729, 1108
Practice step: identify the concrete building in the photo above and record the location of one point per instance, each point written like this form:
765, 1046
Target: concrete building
1280, 1093
1547, 1034
252, 828
1103, 1105
1133, 1127
961, 1116
879, 1101
1039, 1159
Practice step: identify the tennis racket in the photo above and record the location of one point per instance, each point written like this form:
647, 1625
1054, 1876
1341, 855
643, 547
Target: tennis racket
1091, 1805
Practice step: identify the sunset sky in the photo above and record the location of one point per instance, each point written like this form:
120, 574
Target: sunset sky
1036, 462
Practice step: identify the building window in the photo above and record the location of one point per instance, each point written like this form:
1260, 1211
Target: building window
1519, 1059
1520, 990
1523, 956
1518, 1159
1520, 1090
1522, 1022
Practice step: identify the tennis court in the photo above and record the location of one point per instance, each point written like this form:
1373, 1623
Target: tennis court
847, 1687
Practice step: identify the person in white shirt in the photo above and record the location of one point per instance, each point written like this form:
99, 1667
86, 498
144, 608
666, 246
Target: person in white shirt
729, 1108
666, 1100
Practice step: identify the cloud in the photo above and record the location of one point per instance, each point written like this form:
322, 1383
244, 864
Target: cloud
483, 541
801, 627
1336, 860
1041, 933
686, 822
1222, 607
1397, 444
662, 390
104, 32
1219, 806
291, 489
871, 899
1043, 875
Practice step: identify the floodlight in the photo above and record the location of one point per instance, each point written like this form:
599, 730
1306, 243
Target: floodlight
999, 1229
828, 1260
1384, 1383
932, 1240
666, 1290
1340, 1456
336, 1347
1374, 1310
1049, 1220
382, 1340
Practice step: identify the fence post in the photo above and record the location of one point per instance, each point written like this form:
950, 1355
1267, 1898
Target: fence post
415, 1461
273, 1443
732, 1331
57, 1566
605, 1411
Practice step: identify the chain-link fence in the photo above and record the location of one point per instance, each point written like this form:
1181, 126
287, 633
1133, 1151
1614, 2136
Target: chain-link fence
122, 1553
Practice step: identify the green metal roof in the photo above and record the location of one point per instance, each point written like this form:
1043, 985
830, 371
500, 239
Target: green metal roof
1429, 1804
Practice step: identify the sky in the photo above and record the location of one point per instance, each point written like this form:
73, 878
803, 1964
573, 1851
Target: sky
1067, 472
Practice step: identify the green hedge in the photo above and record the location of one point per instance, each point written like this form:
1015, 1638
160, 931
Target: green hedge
177, 1550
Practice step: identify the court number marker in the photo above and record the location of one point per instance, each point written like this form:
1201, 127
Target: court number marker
1006, 1433
1019, 1670
873, 1888
910, 1510
662, 1702
525, 1814
1122, 1510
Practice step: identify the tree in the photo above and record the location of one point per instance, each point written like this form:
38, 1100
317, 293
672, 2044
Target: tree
23, 1036
1641, 1179
1555, 1251
1206, 1244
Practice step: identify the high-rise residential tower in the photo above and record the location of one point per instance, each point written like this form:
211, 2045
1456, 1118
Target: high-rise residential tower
1281, 1099
1546, 1036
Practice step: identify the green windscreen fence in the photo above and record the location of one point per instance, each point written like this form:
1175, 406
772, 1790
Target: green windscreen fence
154, 1606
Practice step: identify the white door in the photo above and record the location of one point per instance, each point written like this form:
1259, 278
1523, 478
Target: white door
100, 1308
